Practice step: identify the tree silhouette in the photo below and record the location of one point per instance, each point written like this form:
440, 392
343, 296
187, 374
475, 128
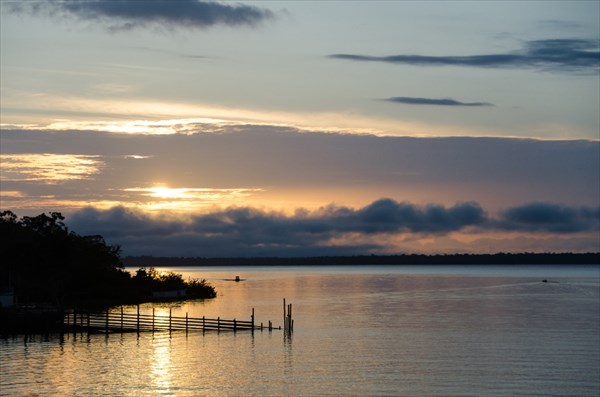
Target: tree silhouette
44, 262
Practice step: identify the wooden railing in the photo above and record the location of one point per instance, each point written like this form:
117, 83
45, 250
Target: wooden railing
121, 321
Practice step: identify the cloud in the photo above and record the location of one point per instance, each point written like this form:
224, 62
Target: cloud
247, 231
549, 217
389, 216
558, 55
349, 169
130, 14
435, 102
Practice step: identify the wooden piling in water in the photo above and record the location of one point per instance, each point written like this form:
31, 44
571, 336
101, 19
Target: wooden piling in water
288, 322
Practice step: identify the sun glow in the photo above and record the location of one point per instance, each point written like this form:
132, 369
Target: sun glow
164, 192
186, 193
186, 199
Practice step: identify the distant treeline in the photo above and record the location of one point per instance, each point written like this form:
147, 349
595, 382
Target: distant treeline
403, 259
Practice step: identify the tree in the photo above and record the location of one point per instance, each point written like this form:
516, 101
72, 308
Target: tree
44, 262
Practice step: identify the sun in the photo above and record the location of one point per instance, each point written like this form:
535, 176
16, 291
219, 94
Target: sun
164, 192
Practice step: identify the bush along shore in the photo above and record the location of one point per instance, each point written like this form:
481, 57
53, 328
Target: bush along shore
46, 269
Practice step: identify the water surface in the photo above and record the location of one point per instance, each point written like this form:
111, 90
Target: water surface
359, 331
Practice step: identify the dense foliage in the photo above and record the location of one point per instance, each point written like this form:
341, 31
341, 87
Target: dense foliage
42, 261
149, 281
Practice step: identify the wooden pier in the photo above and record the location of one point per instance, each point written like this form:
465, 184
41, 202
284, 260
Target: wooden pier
111, 321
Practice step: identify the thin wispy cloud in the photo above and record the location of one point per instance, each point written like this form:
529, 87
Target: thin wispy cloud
170, 52
131, 14
435, 102
558, 55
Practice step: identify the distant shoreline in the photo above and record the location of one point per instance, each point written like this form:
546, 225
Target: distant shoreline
406, 259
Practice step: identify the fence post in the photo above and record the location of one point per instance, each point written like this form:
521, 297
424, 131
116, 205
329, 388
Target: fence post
252, 320
186, 323
152, 319
106, 323
218, 324
203, 324
234, 325
169, 320
121, 319
138, 319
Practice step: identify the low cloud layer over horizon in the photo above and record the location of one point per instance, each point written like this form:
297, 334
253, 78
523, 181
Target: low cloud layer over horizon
221, 189
331, 230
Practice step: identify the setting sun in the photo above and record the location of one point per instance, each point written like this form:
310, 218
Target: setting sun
165, 192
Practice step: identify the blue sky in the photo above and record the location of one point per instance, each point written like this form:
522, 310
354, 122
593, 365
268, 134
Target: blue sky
180, 113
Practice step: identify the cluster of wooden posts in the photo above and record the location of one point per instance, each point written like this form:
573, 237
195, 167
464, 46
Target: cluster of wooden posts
120, 321
288, 322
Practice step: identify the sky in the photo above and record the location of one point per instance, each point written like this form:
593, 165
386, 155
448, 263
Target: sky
301, 128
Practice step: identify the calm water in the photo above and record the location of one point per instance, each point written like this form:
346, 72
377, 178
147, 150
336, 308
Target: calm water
374, 331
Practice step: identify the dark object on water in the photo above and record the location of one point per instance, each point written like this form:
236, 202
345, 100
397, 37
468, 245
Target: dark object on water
544, 281
237, 279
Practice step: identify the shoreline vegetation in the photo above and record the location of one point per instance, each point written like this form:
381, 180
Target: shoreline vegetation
44, 265
591, 258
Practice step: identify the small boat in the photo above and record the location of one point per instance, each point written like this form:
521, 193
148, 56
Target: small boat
237, 279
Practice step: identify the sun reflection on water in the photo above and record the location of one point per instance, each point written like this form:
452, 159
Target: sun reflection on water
161, 362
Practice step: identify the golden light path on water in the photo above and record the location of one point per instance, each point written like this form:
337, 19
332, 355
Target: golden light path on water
161, 359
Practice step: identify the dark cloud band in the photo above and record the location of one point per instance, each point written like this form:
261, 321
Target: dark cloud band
549, 217
245, 231
129, 14
435, 102
553, 54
